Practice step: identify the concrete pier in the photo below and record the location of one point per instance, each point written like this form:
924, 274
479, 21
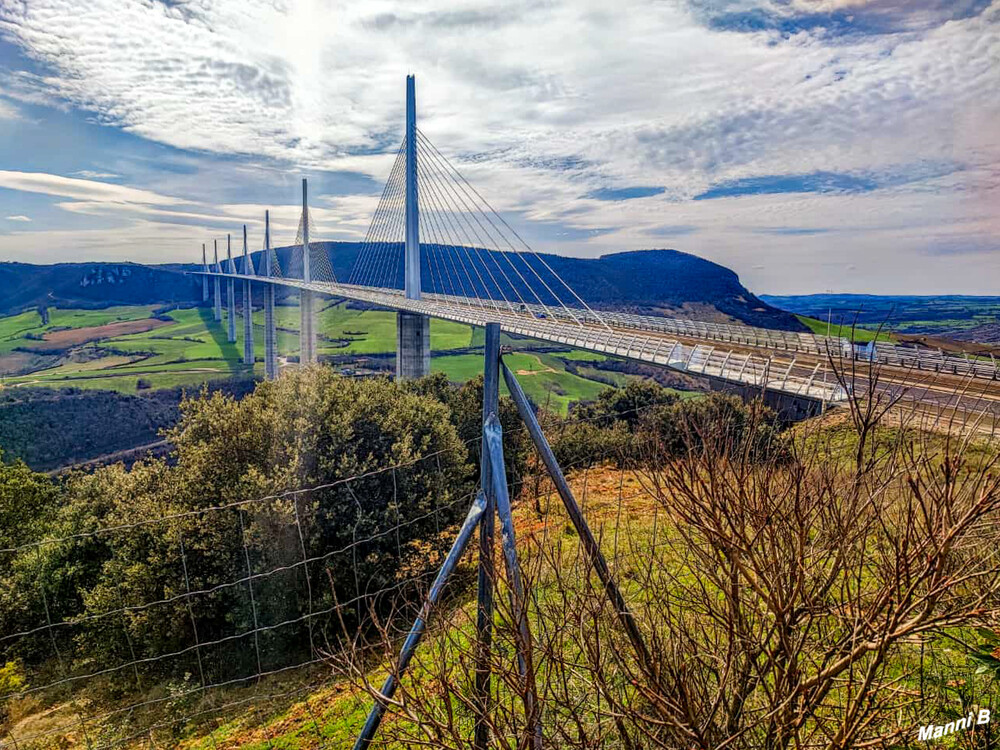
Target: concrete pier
217, 289
413, 339
248, 355
231, 294
204, 279
270, 328
413, 346
307, 310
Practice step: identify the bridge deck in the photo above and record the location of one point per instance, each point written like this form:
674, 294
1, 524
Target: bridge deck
774, 372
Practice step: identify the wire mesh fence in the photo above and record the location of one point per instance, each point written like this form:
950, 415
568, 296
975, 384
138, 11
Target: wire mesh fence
203, 612
149, 617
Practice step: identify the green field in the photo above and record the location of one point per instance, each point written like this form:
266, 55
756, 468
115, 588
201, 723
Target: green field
858, 334
192, 349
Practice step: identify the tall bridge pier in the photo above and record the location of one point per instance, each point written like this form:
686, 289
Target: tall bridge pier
216, 287
248, 355
231, 293
307, 311
413, 331
270, 330
204, 279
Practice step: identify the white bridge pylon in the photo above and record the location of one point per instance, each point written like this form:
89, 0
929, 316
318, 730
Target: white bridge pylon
436, 248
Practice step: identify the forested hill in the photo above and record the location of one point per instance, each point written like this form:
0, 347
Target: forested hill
650, 281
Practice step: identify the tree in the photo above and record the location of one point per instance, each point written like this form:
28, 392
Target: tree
308, 475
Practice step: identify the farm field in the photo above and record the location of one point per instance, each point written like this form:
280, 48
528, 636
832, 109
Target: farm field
945, 316
859, 334
132, 348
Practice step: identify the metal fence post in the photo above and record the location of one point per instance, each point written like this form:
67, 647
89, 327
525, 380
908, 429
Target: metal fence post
484, 610
493, 435
420, 624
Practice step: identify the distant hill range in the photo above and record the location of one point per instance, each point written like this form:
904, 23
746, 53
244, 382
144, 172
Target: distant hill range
952, 316
659, 282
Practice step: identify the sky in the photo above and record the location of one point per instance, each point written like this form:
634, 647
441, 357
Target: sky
809, 145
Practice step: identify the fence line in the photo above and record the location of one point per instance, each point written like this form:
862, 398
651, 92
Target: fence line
231, 505
100, 720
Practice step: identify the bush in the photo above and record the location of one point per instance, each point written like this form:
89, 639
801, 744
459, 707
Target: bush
310, 429
628, 404
643, 423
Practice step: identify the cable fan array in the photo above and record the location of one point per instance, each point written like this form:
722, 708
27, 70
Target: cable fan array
320, 268
469, 253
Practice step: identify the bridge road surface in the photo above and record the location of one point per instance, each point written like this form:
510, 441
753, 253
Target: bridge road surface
747, 369
941, 390
933, 393
938, 395
795, 373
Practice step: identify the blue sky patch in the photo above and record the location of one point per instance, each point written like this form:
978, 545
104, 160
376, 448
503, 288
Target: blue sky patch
815, 182
624, 194
854, 21
672, 230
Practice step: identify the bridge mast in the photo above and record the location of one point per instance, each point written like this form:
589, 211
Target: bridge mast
413, 337
231, 292
270, 333
248, 357
204, 279
307, 325
216, 288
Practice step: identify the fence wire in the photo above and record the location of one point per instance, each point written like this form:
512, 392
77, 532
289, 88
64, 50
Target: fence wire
140, 718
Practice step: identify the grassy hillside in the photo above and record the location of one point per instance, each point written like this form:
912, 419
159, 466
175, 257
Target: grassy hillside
857, 334
190, 348
77, 351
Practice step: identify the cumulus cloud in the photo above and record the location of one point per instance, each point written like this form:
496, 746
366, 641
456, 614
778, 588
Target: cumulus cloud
18, 217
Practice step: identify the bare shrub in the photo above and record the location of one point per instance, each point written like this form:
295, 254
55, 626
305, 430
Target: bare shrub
793, 593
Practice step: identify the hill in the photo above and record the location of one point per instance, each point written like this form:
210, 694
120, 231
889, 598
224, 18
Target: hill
648, 281
52, 428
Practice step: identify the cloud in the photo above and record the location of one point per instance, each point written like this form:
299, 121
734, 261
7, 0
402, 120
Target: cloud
71, 187
808, 118
18, 217
90, 174
8, 111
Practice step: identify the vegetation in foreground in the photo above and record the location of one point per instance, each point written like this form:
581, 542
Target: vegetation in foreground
820, 587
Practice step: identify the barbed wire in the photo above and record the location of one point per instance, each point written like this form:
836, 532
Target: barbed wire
246, 579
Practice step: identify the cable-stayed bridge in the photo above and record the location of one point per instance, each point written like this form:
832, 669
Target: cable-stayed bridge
437, 248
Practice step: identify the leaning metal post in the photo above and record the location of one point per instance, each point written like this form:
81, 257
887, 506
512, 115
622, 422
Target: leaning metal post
493, 435
484, 610
420, 624
580, 523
